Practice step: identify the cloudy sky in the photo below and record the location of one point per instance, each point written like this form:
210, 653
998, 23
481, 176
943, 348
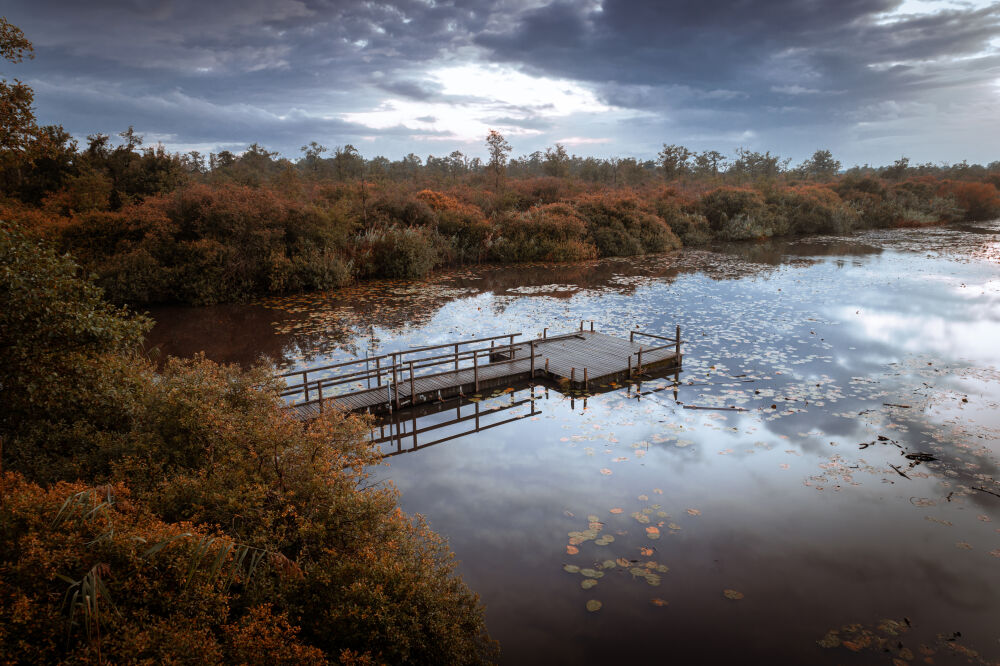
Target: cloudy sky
871, 80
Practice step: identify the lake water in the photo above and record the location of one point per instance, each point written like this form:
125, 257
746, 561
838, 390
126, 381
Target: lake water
851, 513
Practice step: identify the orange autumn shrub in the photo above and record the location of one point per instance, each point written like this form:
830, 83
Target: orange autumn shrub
180, 515
978, 201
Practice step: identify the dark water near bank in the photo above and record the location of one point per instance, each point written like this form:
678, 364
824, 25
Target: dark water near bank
855, 488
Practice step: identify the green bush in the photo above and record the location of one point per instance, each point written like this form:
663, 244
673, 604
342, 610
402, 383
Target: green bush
553, 232
403, 253
620, 227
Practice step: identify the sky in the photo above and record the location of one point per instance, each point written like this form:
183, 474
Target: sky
870, 80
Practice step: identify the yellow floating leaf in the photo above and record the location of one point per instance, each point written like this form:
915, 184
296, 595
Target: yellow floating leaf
646, 551
588, 583
656, 601
693, 512
732, 594
594, 605
653, 529
616, 510
572, 550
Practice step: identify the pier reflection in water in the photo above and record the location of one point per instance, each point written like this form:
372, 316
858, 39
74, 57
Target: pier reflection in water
428, 424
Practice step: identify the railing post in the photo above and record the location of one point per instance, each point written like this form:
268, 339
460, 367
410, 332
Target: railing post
678, 342
572, 376
639, 369
395, 380
456, 357
532, 359
545, 333
631, 336
305, 383
586, 385
591, 325
546, 365
630, 366
319, 387
378, 371
413, 394
510, 348
475, 368
581, 324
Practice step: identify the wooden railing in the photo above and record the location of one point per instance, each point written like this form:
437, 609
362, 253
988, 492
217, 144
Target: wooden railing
395, 368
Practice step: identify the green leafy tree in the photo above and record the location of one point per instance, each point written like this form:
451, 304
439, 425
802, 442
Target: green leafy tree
499, 150
557, 161
17, 118
820, 166
673, 160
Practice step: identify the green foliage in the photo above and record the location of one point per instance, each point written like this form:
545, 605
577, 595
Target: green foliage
553, 232
620, 227
403, 253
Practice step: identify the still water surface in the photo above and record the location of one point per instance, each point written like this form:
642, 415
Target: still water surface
857, 486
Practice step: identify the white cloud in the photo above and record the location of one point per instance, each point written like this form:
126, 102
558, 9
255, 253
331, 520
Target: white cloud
478, 95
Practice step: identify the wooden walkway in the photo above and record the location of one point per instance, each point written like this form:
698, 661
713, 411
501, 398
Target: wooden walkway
580, 360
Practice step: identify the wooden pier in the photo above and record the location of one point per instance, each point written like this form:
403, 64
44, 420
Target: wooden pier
580, 360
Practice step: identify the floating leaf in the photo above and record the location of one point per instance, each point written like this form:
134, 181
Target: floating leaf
732, 594
616, 510
693, 512
606, 472
594, 605
572, 550
646, 551
571, 568
656, 601
643, 498
588, 583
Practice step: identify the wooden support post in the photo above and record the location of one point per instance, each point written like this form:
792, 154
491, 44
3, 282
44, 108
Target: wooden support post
639, 369
475, 369
414, 426
378, 371
456, 357
545, 333
678, 342
591, 325
319, 387
305, 383
572, 376
510, 348
630, 366
546, 365
395, 379
413, 393
631, 336
477, 417
581, 324
586, 386
532, 359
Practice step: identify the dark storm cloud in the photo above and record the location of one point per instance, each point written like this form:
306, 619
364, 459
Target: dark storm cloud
282, 72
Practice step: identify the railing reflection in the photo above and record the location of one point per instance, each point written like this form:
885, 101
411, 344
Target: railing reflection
407, 432
428, 424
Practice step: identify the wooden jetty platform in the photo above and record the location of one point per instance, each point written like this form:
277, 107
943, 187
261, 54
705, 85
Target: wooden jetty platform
398, 380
